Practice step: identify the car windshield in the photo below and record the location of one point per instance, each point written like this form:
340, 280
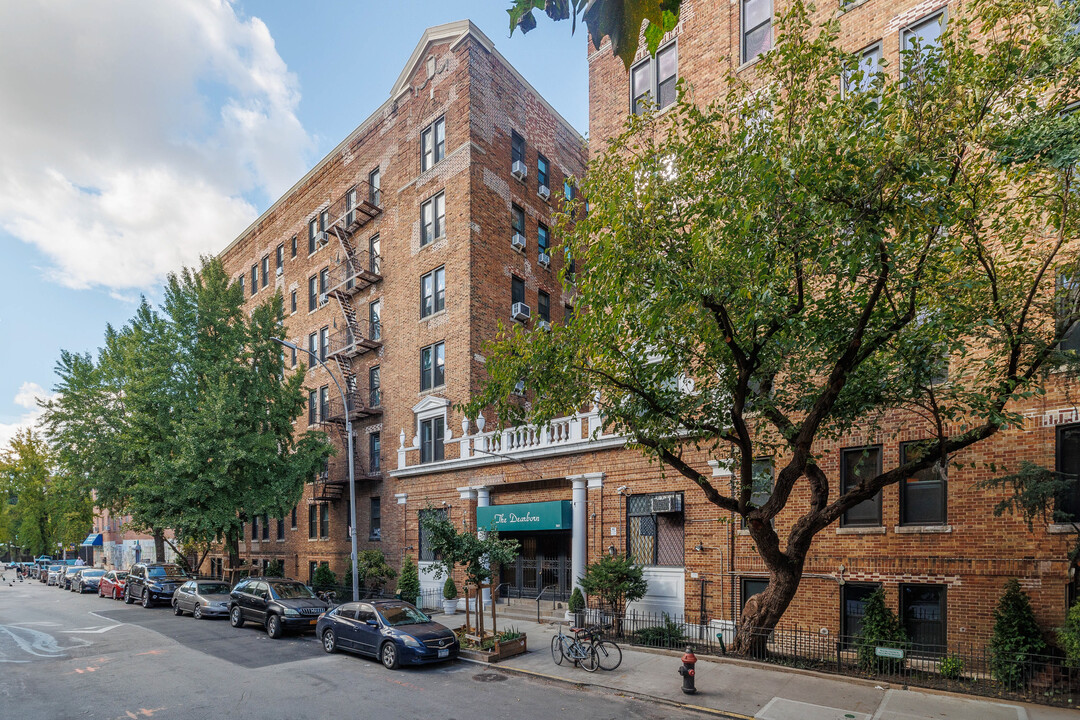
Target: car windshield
213, 589
55, 568
291, 591
93, 573
394, 615
72, 570
165, 571
121, 575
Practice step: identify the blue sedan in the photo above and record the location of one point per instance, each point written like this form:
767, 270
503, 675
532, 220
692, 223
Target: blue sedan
393, 631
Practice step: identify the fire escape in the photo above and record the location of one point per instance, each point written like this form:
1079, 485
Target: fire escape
357, 269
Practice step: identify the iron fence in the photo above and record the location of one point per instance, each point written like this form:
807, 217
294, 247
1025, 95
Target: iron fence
975, 669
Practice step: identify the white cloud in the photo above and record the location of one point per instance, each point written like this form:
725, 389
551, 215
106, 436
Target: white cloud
134, 131
26, 398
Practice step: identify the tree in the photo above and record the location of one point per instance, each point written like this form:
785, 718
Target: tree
880, 628
614, 580
324, 578
1016, 637
374, 572
791, 263
621, 20
1069, 635
409, 581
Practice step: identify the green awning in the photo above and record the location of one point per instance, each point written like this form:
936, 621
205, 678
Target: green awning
524, 517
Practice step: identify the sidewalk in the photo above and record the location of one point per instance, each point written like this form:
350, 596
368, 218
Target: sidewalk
739, 689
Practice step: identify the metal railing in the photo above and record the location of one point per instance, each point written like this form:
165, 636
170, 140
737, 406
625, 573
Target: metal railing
356, 272
350, 341
357, 404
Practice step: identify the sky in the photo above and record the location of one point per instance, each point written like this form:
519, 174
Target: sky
136, 136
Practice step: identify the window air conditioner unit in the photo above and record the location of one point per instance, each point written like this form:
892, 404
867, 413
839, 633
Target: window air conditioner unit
544, 191
543, 325
323, 299
519, 389
280, 271
518, 242
321, 239
666, 503
544, 259
520, 311
519, 170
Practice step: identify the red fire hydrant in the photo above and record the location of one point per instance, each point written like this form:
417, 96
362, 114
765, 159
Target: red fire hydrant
687, 671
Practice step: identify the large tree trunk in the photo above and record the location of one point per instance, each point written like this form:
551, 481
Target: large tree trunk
159, 545
232, 541
764, 610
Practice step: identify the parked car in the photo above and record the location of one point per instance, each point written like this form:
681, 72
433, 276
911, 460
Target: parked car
202, 598
153, 582
112, 585
277, 604
393, 631
54, 574
69, 572
89, 579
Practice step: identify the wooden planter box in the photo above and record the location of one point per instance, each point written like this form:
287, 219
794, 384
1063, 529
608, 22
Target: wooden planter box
501, 651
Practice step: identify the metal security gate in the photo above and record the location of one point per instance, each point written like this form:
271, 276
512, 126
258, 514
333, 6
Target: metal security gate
543, 566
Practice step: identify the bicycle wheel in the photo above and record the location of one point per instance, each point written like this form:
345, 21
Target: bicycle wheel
590, 662
608, 655
557, 653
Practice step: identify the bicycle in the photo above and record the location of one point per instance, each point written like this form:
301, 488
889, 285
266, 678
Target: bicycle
564, 647
608, 653
329, 597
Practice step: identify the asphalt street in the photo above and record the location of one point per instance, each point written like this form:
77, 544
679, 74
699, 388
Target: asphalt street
69, 656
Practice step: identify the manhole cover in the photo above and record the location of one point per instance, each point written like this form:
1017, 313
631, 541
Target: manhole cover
489, 677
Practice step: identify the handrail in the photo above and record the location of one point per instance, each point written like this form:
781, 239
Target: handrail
541, 595
495, 593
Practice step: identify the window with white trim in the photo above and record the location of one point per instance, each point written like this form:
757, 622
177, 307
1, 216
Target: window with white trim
433, 144
756, 28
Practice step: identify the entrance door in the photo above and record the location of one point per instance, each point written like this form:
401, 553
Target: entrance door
542, 566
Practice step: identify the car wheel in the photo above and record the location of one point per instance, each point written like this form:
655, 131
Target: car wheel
127, 597
329, 642
197, 612
236, 617
146, 598
100, 592
115, 594
389, 655
273, 627
176, 609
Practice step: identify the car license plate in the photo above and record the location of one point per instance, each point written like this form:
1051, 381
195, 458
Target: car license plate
312, 622
444, 653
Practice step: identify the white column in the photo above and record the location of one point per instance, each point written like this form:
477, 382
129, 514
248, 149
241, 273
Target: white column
579, 539
483, 499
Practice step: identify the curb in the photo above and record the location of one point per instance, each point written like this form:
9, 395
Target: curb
619, 691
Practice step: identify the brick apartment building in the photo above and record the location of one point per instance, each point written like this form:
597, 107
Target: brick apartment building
458, 122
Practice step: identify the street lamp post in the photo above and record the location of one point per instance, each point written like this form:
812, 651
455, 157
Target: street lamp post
351, 460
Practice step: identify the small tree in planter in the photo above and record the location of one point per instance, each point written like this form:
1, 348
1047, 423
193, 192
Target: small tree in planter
449, 595
880, 628
615, 580
1016, 637
576, 607
409, 581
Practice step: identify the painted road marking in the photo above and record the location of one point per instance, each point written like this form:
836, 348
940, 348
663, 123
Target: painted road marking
35, 642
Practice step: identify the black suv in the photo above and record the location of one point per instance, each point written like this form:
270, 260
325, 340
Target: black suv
153, 582
278, 604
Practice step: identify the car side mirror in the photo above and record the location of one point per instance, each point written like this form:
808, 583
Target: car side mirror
372, 622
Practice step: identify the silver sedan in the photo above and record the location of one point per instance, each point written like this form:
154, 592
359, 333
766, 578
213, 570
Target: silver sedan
202, 598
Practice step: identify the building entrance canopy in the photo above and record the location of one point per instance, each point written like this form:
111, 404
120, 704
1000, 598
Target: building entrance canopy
526, 517
91, 540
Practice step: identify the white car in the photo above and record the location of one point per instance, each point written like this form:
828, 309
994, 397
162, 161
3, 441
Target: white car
54, 573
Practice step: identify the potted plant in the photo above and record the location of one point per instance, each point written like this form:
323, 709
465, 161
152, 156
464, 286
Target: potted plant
575, 608
449, 594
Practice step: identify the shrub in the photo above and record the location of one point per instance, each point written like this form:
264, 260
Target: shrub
615, 580
409, 581
275, 569
880, 628
577, 601
951, 667
324, 578
373, 571
511, 633
668, 635
449, 589
1069, 635
1016, 637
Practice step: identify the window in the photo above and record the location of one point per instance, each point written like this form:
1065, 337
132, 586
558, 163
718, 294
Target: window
761, 484
517, 148
313, 347
375, 187
543, 306
568, 314
640, 86
279, 257
255, 528
292, 246
375, 249
517, 220
922, 496
375, 319
281, 528
313, 416
293, 518
433, 292
324, 521
431, 440
853, 597
1067, 504
375, 453
292, 301
313, 293
922, 610
324, 406
254, 279
517, 290
375, 519
312, 232
266, 527
241, 281
920, 42
350, 207
423, 551
324, 280
312, 566
756, 28
432, 366
857, 464
432, 217
432, 144
667, 74
265, 270
542, 170
542, 247
1068, 329
654, 529
293, 349
324, 342
750, 588
866, 72
375, 386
